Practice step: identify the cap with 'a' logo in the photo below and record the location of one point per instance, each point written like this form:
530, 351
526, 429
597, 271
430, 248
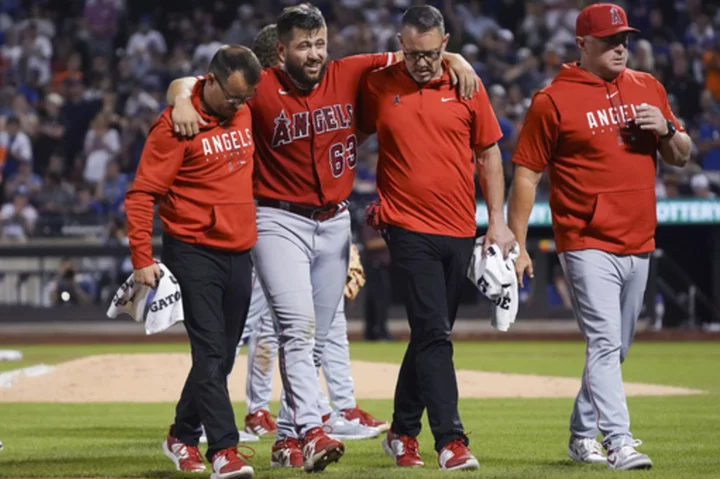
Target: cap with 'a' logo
602, 20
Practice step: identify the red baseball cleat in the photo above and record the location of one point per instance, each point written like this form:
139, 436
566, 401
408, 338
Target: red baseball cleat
287, 453
403, 449
260, 423
457, 457
319, 450
231, 464
186, 458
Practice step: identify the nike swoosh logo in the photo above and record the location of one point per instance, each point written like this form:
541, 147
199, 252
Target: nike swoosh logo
447, 99
611, 95
283, 92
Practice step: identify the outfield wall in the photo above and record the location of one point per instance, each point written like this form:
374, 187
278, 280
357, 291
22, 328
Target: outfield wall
27, 270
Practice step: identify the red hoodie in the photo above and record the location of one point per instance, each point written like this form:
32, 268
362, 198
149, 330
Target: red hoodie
601, 166
203, 184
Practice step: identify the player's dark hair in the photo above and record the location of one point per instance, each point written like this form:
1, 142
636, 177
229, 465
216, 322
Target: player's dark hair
424, 18
304, 17
265, 45
235, 58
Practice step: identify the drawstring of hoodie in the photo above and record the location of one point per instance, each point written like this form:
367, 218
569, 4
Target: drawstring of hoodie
624, 131
616, 101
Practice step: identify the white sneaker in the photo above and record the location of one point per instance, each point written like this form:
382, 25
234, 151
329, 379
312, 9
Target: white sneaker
244, 437
626, 457
586, 449
339, 428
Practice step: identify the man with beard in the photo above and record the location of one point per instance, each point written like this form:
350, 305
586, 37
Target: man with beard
306, 153
347, 421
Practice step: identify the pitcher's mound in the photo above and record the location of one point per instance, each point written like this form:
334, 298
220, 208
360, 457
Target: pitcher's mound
160, 378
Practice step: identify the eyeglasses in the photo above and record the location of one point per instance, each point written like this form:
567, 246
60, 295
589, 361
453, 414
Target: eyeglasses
235, 100
622, 38
430, 55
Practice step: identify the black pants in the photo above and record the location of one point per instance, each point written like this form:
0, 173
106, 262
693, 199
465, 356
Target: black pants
216, 288
377, 301
430, 270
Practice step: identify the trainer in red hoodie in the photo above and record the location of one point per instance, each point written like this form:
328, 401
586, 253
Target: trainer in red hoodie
204, 187
203, 184
597, 130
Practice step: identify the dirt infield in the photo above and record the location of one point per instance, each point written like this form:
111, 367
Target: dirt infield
159, 378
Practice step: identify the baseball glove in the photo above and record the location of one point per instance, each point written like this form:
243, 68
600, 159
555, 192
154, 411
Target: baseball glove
355, 275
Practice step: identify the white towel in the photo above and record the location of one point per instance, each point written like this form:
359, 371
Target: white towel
495, 278
158, 308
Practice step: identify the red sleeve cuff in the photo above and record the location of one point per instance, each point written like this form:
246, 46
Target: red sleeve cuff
528, 164
141, 256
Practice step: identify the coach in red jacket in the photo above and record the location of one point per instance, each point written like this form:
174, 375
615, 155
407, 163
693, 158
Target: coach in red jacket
597, 129
204, 187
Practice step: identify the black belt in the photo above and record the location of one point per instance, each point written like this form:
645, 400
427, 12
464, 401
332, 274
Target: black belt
322, 213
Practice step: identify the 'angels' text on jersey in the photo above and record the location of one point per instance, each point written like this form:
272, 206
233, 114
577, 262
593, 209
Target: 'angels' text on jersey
328, 118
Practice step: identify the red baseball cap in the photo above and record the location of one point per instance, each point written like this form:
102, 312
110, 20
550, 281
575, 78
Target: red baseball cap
602, 20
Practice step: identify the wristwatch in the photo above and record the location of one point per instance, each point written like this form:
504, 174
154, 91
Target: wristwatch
671, 131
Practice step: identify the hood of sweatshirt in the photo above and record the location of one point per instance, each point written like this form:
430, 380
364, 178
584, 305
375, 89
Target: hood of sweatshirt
574, 73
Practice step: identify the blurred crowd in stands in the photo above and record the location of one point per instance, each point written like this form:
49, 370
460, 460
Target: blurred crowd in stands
82, 80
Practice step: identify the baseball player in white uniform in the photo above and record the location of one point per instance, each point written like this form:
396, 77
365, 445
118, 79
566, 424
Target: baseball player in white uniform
346, 420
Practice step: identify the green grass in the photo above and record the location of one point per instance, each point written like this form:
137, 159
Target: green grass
512, 438
695, 365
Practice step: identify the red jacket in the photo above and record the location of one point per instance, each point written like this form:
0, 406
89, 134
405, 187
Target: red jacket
203, 185
601, 168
